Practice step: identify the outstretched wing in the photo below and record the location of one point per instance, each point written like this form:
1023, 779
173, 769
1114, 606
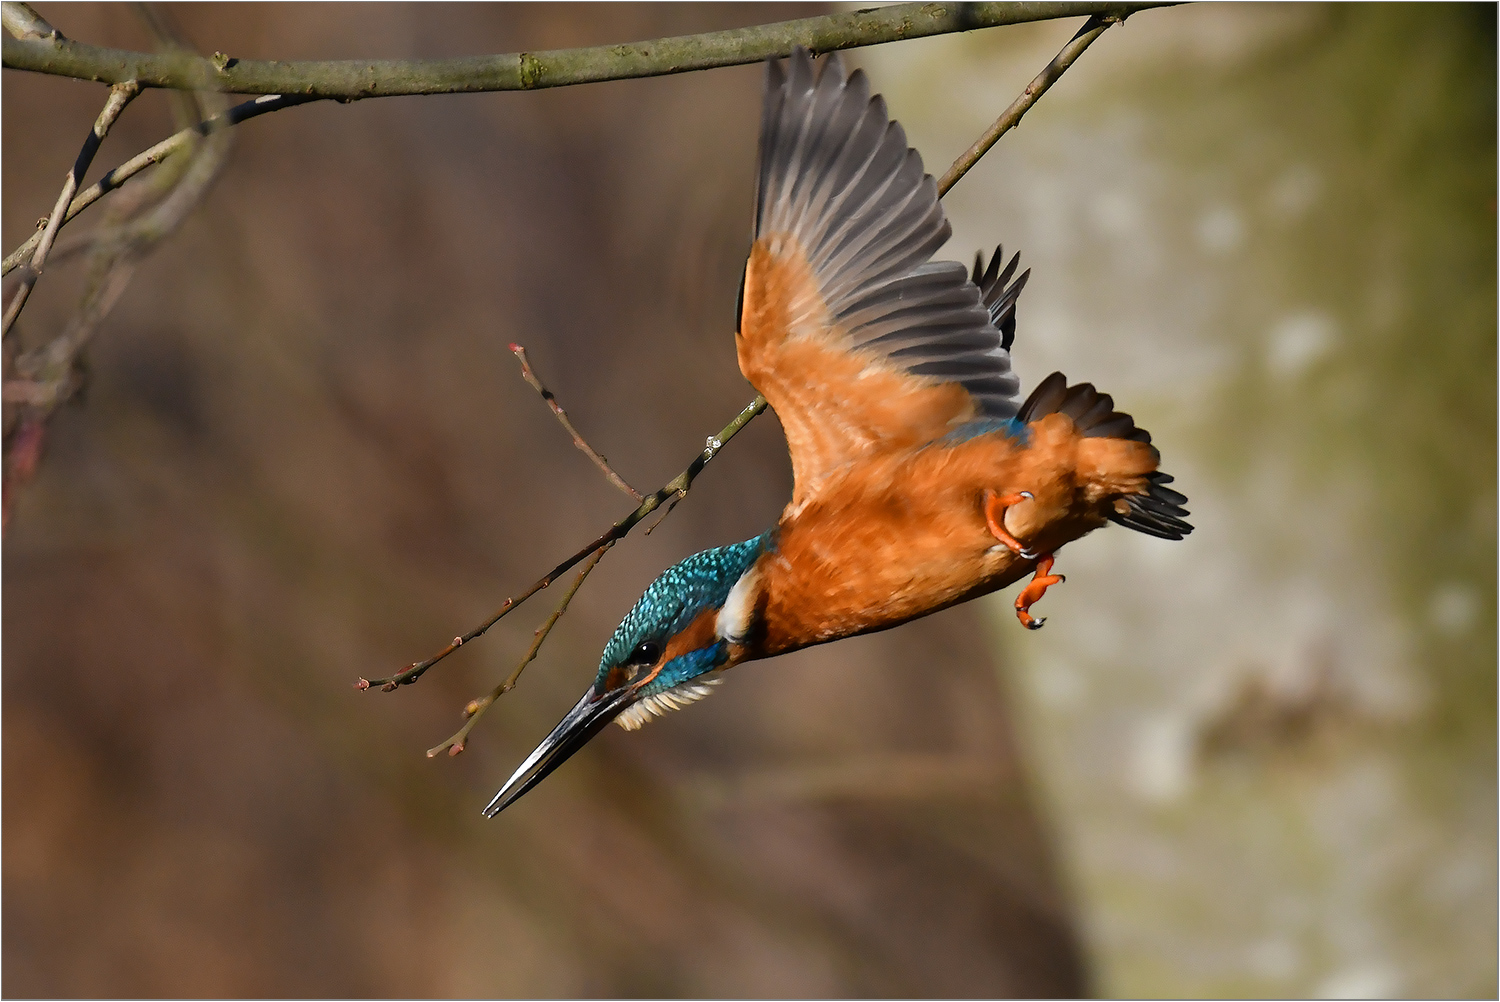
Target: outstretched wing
859, 342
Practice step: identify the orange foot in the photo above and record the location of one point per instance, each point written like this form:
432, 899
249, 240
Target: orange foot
1034, 590
994, 517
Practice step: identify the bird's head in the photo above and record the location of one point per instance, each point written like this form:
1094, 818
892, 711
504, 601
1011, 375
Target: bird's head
690, 624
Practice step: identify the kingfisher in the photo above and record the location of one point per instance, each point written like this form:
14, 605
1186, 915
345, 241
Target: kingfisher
921, 479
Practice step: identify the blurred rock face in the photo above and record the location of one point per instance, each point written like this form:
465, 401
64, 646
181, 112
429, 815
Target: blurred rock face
304, 455
1269, 231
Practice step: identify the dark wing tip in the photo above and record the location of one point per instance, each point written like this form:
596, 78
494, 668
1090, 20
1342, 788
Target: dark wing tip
1092, 413
1158, 512
998, 293
1045, 399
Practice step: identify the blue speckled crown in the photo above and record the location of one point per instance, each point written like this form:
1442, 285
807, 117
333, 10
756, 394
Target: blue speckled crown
675, 599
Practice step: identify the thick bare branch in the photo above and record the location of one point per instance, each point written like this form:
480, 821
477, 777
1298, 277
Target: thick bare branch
354, 79
275, 102
120, 95
562, 416
22, 22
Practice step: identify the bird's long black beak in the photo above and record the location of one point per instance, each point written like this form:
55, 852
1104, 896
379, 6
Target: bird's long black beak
583, 721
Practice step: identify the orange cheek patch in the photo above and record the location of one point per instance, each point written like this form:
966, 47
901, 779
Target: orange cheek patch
700, 633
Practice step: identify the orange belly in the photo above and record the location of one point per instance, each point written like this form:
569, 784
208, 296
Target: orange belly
900, 536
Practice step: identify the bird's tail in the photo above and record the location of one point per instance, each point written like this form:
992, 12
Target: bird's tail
1158, 511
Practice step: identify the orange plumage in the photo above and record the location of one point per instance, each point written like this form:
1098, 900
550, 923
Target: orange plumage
903, 533
921, 478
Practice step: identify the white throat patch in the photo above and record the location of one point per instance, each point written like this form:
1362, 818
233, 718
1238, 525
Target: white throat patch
674, 698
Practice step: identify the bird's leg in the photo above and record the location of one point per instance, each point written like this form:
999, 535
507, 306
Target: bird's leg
1034, 590
994, 517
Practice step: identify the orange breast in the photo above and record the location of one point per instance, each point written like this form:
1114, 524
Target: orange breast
902, 535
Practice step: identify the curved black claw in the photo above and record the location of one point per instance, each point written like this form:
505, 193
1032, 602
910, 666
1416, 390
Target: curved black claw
1036, 624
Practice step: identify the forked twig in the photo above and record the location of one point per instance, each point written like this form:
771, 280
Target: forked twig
665, 512
42, 379
476, 707
618, 531
528, 374
155, 155
120, 95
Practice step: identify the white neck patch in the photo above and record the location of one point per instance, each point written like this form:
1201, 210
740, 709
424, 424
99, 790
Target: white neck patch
734, 621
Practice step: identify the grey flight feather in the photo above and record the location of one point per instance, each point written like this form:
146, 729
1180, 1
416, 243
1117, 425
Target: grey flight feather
837, 175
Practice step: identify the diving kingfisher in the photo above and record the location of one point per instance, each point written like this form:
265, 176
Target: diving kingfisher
921, 479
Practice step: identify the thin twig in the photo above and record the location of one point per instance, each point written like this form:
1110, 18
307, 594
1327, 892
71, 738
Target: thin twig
664, 513
1011, 117
674, 490
131, 232
355, 79
562, 416
178, 187
120, 95
476, 707
47, 376
173, 144
618, 531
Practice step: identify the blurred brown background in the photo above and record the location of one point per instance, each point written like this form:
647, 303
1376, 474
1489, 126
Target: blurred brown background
1260, 762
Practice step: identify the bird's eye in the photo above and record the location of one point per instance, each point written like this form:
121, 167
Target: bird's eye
645, 654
